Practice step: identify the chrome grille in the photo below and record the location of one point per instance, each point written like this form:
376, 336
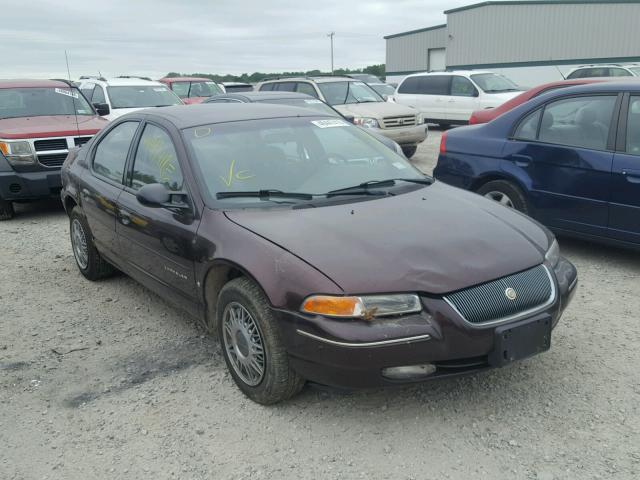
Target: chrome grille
53, 160
50, 144
489, 302
402, 121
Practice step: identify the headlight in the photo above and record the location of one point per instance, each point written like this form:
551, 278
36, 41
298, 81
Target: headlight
420, 119
366, 122
17, 153
553, 254
362, 307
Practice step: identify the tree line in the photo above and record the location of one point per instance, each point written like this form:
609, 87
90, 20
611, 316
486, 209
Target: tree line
377, 70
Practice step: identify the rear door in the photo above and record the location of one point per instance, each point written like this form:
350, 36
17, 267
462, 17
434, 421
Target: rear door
157, 242
624, 216
427, 93
565, 150
463, 99
101, 189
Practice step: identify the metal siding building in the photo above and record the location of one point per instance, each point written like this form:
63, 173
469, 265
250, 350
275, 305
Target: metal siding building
530, 41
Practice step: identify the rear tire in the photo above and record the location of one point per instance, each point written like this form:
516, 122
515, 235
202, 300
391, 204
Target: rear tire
505, 193
87, 257
252, 346
409, 150
6, 209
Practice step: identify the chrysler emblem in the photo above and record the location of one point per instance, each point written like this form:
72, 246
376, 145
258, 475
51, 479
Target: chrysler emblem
510, 293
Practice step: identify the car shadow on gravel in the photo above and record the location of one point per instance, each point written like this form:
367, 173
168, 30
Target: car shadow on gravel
574, 248
144, 366
37, 209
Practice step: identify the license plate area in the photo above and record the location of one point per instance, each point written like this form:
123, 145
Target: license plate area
520, 340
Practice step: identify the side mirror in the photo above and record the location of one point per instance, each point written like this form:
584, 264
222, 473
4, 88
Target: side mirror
385, 97
156, 195
476, 93
102, 109
350, 118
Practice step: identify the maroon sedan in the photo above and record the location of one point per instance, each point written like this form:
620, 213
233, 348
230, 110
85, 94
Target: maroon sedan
488, 114
313, 250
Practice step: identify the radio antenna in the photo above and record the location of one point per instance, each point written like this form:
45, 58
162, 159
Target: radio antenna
73, 98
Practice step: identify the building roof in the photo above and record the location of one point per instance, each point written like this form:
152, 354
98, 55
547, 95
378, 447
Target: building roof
26, 83
410, 32
534, 2
204, 114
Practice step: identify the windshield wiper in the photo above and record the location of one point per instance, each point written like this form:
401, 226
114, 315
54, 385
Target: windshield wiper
264, 194
365, 186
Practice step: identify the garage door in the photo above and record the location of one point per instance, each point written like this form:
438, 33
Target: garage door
436, 60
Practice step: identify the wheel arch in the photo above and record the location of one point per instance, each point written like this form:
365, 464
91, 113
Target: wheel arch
493, 176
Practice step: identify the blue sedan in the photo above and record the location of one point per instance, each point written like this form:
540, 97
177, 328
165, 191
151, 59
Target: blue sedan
569, 158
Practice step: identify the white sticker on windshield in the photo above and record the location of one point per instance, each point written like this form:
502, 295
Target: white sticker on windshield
399, 165
68, 93
312, 101
160, 89
330, 123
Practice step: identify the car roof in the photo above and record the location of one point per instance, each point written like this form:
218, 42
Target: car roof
452, 72
258, 96
312, 78
185, 79
27, 83
124, 81
207, 113
608, 65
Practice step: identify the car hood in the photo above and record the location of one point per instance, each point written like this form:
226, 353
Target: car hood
50, 126
495, 99
375, 109
435, 240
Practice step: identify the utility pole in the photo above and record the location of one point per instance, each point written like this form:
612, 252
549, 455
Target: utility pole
331, 36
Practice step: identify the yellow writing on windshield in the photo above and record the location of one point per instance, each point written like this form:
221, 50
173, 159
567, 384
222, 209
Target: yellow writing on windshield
233, 175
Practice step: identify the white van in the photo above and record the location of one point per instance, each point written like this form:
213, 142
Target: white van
449, 98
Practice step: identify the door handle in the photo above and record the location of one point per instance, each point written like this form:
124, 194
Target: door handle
521, 160
631, 177
125, 218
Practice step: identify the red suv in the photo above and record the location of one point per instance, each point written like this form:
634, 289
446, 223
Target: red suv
488, 114
40, 121
193, 89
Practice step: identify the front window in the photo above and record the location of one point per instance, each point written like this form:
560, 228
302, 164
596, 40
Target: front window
141, 96
204, 89
38, 102
493, 83
311, 103
635, 70
308, 155
345, 92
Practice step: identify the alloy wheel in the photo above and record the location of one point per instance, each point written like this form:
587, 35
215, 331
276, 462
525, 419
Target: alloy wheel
79, 241
243, 343
500, 197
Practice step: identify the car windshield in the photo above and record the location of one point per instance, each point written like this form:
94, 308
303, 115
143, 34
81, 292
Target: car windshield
204, 89
492, 83
300, 155
37, 102
140, 96
366, 77
311, 103
383, 88
344, 92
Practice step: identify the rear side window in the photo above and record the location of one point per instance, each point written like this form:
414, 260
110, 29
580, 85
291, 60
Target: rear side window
435, 85
633, 126
98, 95
286, 87
156, 160
528, 128
578, 121
619, 72
410, 85
111, 153
304, 87
267, 87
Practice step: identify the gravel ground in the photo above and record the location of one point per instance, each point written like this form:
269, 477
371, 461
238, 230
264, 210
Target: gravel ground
105, 380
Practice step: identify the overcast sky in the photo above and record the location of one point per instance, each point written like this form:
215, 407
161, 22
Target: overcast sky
153, 37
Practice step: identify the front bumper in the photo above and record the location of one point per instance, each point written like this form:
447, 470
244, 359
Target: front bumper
29, 185
353, 354
404, 135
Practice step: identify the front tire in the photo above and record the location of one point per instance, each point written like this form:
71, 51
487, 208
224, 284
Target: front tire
409, 150
88, 259
6, 209
252, 345
505, 193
